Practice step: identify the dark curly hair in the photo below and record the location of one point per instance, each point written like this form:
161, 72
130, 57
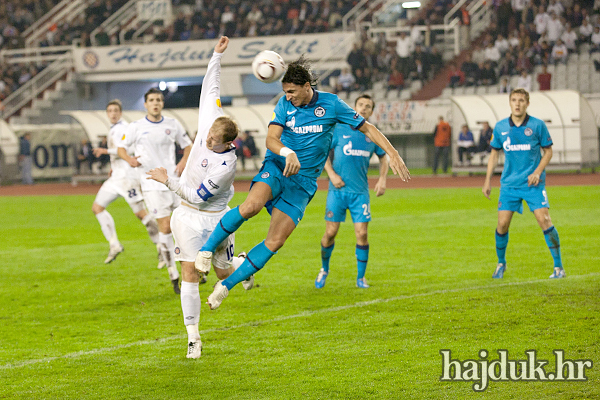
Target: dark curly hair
299, 72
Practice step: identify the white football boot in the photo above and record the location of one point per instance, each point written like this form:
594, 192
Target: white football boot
217, 296
113, 253
194, 349
161, 260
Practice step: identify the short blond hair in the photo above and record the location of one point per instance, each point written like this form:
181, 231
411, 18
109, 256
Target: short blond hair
228, 127
115, 102
520, 91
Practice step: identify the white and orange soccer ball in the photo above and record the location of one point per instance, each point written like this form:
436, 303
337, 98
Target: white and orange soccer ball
268, 66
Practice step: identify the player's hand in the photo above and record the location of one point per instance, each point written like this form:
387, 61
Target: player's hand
486, 190
292, 165
133, 161
380, 188
533, 179
180, 167
158, 174
222, 45
99, 151
337, 181
398, 167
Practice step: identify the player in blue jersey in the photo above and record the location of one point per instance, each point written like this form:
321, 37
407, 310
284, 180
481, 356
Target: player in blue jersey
523, 139
298, 142
349, 190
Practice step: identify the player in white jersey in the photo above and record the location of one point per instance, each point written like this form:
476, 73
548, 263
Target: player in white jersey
123, 182
206, 187
153, 139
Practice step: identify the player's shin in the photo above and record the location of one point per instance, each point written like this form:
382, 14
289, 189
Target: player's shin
501, 243
168, 252
107, 224
255, 260
362, 258
190, 305
230, 222
152, 227
553, 242
326, 256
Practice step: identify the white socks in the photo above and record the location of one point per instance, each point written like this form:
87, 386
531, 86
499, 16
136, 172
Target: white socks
168, 252
107, 224
152, 228
190, 304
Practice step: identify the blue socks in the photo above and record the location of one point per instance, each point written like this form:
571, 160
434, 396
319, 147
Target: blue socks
501, 243
255, 260
362, 257
551, 236
325, 256
230, 223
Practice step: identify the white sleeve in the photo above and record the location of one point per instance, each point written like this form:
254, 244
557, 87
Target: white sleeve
210, 97
185, 192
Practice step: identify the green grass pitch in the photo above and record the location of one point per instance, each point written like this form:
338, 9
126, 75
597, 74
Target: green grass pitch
74, 328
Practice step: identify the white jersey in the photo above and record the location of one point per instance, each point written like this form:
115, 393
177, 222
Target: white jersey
209, 174
120, 168
154, 143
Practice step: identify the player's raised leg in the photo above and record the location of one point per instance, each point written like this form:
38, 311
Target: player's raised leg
190, 305
501, 236
107, 224
362, 253
259, 194
552, 240
327, 246
280, 229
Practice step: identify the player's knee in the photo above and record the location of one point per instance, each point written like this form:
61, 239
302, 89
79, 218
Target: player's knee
97, 208
249, 209
274, 244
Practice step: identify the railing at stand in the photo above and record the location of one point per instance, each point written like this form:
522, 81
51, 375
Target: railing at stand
33, 54
36, 85
113, 23
69, 10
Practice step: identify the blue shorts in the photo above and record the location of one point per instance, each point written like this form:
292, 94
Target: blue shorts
291, 195
511, 199
338, 202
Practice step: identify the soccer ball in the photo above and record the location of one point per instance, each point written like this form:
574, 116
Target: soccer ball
268, 66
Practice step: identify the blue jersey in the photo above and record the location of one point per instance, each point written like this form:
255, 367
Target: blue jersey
308, 129
352, 151
522, 149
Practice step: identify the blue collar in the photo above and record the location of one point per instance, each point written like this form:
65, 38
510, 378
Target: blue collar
158, 122
512, 124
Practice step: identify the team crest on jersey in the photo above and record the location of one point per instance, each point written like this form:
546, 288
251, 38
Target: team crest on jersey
319, 112
265, 175
168, 131
204, 162
329, 214
177, 250
528, 132
368, 140
155, 211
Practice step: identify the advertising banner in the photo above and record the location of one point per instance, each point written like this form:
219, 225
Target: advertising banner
153, 10
196, 54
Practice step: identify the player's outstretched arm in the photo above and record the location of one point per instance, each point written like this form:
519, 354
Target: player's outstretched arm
133, 161
381, 185
292, 165
487, 184
185, 192
396, 162
534, 178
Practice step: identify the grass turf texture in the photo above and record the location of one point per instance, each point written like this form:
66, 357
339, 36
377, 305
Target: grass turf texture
74, 328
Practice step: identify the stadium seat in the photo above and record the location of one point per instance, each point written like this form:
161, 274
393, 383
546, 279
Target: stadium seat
405, 94
446, 93
392, 94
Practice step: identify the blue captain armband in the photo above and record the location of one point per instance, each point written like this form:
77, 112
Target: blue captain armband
204, 193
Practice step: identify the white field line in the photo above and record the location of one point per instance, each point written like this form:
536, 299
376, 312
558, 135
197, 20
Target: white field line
282, 318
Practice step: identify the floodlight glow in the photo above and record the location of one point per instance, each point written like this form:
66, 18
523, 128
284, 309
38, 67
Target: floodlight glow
173, 86
162, 85
411, 4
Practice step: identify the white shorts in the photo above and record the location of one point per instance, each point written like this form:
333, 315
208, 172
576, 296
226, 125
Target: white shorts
191, 230
161, 203
129, 189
